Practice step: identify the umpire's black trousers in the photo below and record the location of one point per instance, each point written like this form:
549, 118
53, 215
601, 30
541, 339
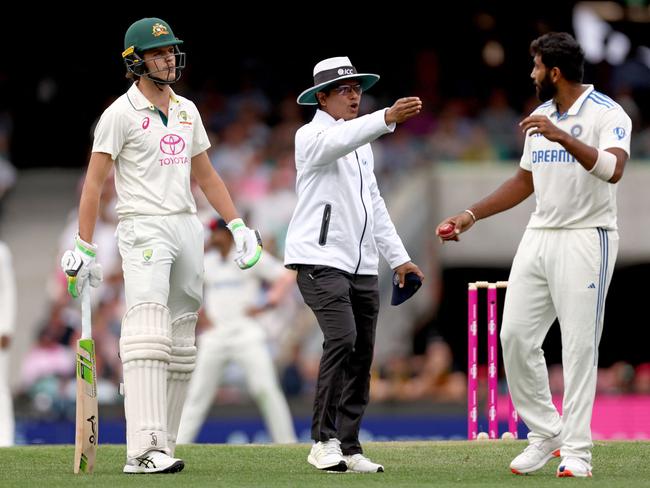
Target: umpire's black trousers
346, 306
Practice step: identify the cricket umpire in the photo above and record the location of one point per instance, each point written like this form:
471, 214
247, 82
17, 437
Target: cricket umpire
339, 224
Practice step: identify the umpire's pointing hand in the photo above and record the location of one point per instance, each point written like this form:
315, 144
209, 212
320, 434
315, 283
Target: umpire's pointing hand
402, 110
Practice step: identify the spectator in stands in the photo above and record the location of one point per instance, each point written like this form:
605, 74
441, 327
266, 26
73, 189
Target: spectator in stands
429, 377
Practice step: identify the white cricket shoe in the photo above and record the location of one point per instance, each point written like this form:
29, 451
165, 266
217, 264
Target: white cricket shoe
574, 467
153, 462
327, 456
536, 455
358, 463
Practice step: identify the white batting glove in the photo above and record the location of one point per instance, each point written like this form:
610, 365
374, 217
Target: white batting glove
79, 265
248, 244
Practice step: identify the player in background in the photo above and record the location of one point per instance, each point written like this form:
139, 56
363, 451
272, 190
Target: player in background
577, 144
156, 141
232, 301
7, 325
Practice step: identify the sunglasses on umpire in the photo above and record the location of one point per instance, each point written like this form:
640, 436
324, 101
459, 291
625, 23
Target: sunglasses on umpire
346, 90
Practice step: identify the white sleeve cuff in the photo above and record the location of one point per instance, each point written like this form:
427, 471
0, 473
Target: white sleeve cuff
391, 127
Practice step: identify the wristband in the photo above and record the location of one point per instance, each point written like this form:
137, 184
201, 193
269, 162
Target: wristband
471, 214
89, 250
605, 165
235, 224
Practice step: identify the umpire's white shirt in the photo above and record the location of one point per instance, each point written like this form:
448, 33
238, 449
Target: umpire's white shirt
152, 160
341, 219
567, 195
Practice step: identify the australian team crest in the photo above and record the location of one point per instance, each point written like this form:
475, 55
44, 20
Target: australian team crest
184, 118
146, 254
159, 30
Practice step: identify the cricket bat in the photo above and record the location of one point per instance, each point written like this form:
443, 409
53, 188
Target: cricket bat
85, 446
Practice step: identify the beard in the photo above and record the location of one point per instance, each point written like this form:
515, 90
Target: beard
545, 89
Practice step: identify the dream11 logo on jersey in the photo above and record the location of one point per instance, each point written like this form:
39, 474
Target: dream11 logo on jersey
173, 145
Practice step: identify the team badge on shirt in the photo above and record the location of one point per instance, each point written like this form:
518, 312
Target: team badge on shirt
576, 130
184, 118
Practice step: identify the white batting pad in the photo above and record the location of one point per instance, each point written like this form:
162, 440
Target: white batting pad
183, 360
145, 348
6, 405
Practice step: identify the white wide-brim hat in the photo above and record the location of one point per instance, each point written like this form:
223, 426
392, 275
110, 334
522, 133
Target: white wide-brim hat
331, 70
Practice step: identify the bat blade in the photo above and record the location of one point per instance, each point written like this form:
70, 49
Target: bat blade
87, 420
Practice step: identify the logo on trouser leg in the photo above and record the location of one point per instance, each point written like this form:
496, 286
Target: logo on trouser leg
154, 439
147, 254
591, 286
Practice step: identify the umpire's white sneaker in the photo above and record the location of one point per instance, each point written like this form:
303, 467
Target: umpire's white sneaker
358, 463
574, 467
536, 455
327, 456
153, 462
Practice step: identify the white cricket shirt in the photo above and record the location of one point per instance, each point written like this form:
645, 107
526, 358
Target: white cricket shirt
567, 195
229, 292
152, 160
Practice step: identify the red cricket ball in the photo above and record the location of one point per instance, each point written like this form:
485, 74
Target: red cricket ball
446, 230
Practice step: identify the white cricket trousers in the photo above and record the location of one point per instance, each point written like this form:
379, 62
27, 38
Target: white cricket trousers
247, 348
563, 273
162, 259
6, 403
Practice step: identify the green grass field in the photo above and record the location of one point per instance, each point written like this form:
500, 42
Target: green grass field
439, 464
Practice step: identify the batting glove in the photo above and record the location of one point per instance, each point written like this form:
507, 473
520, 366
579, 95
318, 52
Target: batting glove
79, 265
248, 244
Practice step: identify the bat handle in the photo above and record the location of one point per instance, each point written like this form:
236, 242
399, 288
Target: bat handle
86, 331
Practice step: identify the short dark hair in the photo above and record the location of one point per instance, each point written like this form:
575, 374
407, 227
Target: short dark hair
561, 50
326, 90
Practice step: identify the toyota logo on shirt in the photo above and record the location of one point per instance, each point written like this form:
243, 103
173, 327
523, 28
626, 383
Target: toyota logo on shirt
172, 144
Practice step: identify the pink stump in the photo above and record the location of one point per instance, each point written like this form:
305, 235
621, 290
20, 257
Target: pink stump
493, 361
472, 362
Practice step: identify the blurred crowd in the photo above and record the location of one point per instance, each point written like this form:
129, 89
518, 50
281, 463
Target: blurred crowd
252, 149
